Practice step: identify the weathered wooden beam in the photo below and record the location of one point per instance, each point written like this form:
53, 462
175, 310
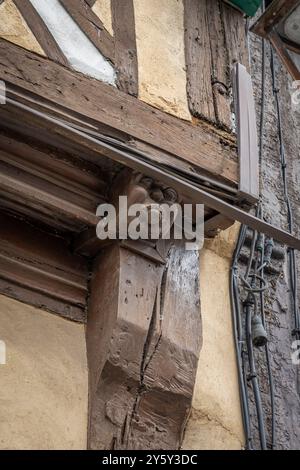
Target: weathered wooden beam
276, 12
143, 340
216, 223
215, 39
91, 25
186, 188
125, 45
31, 126
90, 2
234, 25
220, 64
200, 145
83, 178
198, 59
12, 187
88, 244
41, 32
48, 186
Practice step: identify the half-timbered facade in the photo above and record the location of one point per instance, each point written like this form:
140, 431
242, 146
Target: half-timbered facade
106, 98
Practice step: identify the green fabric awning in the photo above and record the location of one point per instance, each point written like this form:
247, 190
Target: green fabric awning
249, 7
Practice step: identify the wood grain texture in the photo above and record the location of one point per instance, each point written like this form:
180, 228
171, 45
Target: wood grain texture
41, 32
200, 145
91, 25
215, 38
48, 186
143, 349
90, 2
219, 56
215, 223
235, 37
125, 45
39, 269
198, 59
31, 127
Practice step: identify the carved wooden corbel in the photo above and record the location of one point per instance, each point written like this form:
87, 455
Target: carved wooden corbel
143, 333
143, 341
141, 189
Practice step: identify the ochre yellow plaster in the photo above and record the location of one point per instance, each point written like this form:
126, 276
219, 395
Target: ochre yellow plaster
215, 421
44, 383
161, 56
102, 8
14, 28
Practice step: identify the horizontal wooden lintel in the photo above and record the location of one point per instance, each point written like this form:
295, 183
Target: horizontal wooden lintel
197, 144
39, 269
184, 187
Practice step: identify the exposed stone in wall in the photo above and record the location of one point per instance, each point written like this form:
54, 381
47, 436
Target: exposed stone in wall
278, 309
161, 55
215, 421
44, 383
14, 28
